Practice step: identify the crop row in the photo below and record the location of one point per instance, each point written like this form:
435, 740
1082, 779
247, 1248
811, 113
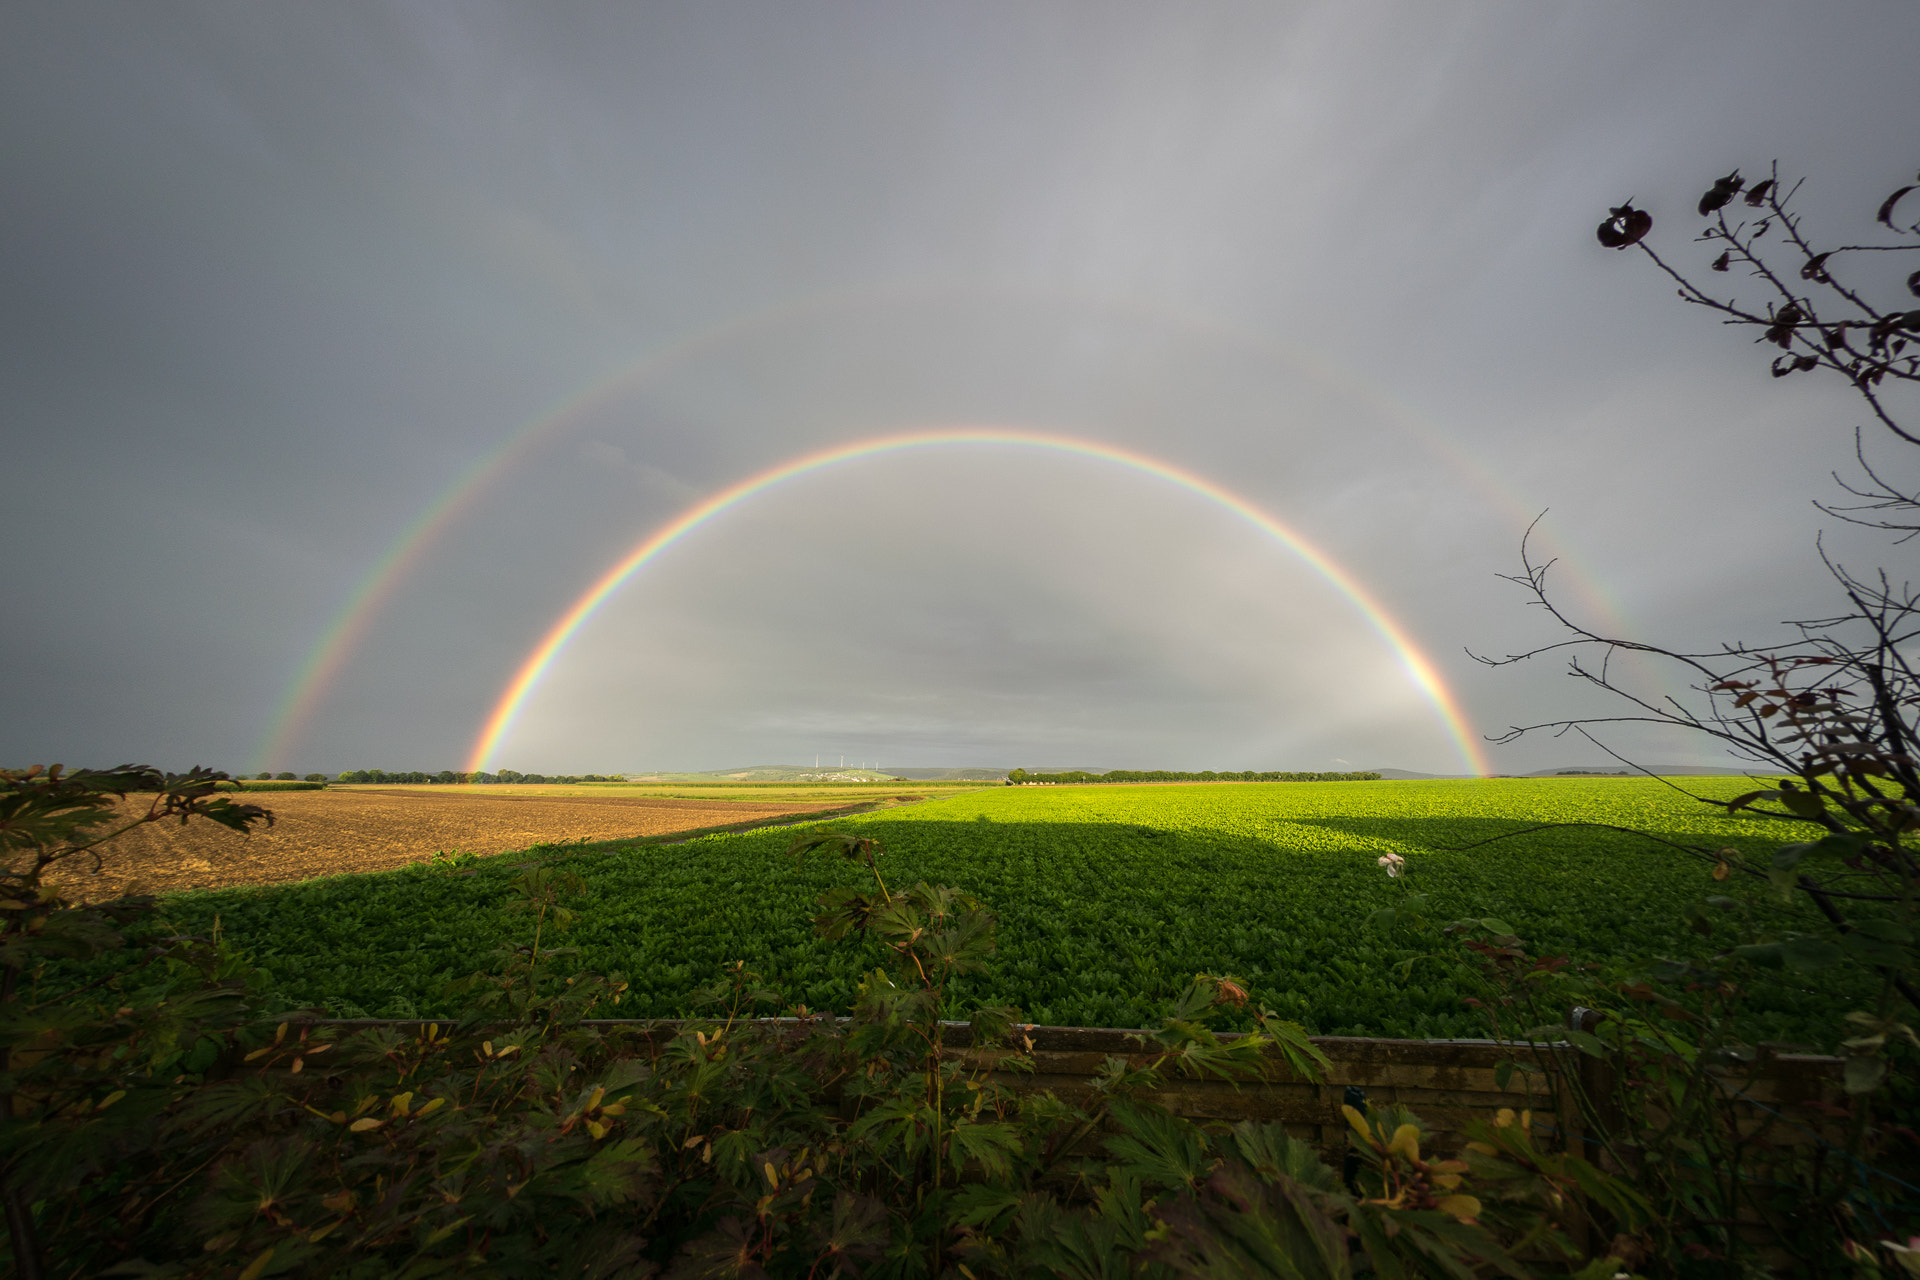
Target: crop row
1108, 899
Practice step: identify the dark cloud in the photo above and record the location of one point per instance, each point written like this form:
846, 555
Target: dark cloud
276, 279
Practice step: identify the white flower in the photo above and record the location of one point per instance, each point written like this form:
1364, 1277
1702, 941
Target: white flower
1394, 863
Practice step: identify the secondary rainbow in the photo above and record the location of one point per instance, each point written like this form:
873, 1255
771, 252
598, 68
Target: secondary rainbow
1418, 668
323, 663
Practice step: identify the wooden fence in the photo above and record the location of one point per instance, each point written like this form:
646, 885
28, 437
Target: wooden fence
1448, 1083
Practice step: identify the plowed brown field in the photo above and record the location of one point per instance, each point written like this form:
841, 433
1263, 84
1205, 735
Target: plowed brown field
321, 833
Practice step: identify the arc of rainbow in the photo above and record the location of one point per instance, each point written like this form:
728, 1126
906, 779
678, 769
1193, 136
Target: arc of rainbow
1416, 664
328, 654
324, 660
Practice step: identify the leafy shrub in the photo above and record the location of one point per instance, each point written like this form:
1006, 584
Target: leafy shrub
169, 1121
1831, 706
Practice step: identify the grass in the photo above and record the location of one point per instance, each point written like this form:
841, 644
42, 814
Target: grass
1109, 898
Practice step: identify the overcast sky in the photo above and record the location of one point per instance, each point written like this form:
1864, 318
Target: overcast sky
277, 277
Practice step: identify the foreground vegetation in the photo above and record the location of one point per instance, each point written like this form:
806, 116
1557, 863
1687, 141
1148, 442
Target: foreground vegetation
1109, 899
164, 1122
174, 1117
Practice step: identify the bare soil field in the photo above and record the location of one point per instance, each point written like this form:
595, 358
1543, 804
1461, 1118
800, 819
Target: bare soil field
323, 833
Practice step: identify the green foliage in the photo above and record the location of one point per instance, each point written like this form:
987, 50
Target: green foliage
82, 1076
1828, 705
1659, 1061
1660, 1068
1108, 898
524, 1139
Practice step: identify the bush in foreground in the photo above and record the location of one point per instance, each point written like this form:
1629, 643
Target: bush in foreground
167, 1121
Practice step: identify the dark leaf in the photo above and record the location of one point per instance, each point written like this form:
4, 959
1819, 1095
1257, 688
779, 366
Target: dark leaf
1159, 1149
1886, 208
1720, 263
236, 817
1868, 948
993, 1024
1242, 1227
1586, 1042
859, 1231
1810, 955
1757, 196
1768, 955
1789, 856
728, 1252
1815, 267
993, 1146
1780, 333
1676, 971
978, 1205
1272, 1152
1913, 284
1723, 190
1627, 226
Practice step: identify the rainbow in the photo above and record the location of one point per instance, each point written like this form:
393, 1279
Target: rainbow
325, 658
1418, 668
320, 667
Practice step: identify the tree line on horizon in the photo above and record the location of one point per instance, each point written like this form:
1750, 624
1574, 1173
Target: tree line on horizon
453, 777
1019, 777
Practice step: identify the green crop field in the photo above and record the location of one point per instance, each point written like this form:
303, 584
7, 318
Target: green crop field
1108, 898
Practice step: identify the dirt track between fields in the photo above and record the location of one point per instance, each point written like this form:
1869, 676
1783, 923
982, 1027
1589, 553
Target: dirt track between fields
323, 833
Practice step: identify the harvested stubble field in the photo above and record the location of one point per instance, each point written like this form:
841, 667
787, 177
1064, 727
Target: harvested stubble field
337, 831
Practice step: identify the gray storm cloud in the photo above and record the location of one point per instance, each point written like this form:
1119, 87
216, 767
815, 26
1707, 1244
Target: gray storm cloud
276, 279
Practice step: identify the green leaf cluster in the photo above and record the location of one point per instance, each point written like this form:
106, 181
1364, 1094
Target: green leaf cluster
183, 1134
1108, 898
